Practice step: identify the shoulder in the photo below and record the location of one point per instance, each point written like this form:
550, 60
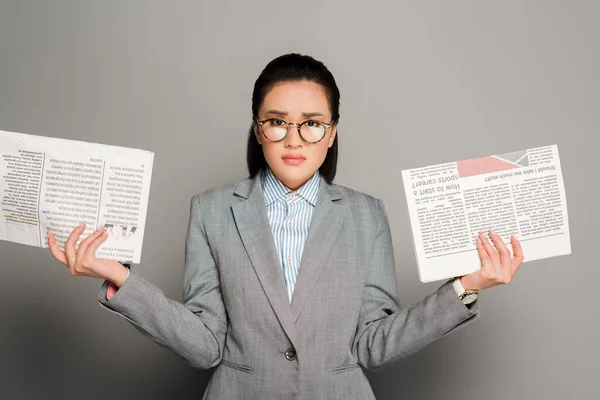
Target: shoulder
220, 196
358, 203
361, 205
356, 197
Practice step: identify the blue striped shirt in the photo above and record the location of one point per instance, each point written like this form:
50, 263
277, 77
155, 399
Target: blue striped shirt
289, 214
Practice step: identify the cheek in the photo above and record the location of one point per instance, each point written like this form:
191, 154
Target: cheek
321, 151
270, 150
268, 147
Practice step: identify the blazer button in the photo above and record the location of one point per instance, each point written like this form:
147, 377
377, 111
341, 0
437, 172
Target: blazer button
290, 354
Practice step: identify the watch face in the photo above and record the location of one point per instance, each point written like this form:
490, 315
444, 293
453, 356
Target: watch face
469, 298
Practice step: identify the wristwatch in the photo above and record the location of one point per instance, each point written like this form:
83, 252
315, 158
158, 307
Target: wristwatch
466, 296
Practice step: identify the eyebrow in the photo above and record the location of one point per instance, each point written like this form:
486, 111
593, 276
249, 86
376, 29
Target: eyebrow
284, 113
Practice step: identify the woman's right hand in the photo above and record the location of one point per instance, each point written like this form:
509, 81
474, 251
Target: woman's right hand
82, 260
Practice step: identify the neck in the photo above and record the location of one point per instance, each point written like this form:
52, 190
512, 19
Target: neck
293, 185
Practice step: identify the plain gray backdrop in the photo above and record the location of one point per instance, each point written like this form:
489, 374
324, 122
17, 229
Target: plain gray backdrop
422, 83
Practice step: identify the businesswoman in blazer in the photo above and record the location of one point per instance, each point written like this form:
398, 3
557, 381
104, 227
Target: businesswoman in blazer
290, 283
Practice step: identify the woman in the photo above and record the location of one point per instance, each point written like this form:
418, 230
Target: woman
284, 311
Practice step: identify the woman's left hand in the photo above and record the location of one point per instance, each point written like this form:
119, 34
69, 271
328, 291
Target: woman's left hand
497, 265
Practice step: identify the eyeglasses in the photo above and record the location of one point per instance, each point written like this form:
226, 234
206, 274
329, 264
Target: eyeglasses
276, 129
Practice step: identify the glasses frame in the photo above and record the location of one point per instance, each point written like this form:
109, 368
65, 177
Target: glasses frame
327, 125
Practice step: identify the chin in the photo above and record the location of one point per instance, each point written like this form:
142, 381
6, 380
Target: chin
291, 175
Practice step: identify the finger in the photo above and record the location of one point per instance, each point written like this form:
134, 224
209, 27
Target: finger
492, 253
91, 249
518, 254
83, 245
70, 245
488, 271
493, 273
483, 255
503, 252
57, 253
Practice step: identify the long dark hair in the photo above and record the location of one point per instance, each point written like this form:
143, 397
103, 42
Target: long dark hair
294, 67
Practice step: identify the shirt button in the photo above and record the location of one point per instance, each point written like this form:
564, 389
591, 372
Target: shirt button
290, 224
290, 354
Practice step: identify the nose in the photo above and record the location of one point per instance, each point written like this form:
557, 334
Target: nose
293, 138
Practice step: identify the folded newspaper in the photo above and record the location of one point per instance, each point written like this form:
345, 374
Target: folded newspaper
51, 184
520, 193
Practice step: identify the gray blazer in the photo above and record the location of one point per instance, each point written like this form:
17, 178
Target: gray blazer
236, 315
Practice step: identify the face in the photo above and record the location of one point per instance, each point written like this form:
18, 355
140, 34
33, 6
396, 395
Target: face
295, 102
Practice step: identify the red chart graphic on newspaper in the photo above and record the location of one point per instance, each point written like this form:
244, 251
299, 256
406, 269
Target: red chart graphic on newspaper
520, 193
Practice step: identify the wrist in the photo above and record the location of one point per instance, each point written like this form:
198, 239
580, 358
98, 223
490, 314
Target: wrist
121, 275
466, 294
464, 280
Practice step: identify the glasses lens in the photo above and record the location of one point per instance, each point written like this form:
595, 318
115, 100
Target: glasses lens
274, 129
312, 131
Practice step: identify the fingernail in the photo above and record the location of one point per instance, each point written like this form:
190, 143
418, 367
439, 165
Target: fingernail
82, 223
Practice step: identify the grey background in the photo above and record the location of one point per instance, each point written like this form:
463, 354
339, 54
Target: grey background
422, 83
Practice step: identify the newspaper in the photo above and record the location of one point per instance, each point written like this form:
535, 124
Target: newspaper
50, 184
520, 193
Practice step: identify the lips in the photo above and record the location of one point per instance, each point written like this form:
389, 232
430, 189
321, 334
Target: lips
294, 157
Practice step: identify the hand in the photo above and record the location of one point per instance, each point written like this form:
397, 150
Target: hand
82, 260
497, 266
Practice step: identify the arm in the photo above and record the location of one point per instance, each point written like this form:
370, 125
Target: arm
196, 329
112, 288
385, 332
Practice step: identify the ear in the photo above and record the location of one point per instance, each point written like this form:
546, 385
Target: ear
333, 133
257, 135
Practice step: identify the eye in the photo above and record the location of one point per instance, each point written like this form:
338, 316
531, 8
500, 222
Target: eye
313, 123
277, 122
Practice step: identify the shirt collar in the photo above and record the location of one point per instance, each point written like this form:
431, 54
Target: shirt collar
273, 189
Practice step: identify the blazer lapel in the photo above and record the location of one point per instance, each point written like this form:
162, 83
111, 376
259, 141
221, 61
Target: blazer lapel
253, 226
325, 227
252, 222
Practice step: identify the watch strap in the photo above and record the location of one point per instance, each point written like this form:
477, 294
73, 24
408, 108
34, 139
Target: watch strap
458, 287
462, 292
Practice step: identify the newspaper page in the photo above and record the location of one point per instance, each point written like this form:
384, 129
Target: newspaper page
520, 193
51, 184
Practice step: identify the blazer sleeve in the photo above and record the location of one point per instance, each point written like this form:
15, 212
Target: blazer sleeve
386, 332
194, 330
